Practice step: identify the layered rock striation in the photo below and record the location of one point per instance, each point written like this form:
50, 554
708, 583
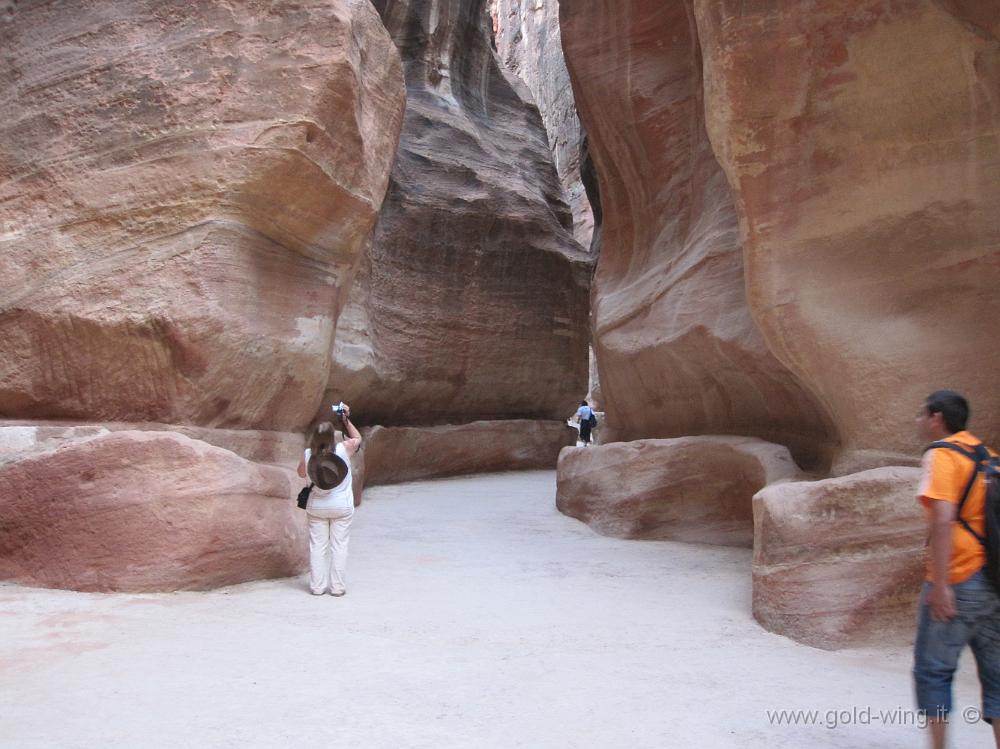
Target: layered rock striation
839, 562
143, 511
184, 195
799, 243
528, 40
862, 140
677, 347
472, 302
695, 489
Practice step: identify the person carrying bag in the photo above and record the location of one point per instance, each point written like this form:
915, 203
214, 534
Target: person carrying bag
329, 502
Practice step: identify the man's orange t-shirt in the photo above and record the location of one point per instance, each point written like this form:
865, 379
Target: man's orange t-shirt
946, 473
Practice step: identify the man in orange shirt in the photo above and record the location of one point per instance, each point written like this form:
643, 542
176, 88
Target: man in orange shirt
958, 605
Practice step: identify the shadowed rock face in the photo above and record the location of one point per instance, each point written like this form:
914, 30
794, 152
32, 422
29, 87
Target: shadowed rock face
472, 302
677, 347
396, 454
184, 193
863, 143
529, 42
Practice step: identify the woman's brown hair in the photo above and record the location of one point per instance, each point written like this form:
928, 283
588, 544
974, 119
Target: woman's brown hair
323, 438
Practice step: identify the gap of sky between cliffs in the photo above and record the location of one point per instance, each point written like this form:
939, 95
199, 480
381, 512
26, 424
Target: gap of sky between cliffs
476, 616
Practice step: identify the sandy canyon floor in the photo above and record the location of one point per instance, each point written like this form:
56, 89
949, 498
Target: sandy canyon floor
476, 616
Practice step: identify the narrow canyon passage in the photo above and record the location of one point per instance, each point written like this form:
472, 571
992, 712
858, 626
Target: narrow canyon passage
476, 616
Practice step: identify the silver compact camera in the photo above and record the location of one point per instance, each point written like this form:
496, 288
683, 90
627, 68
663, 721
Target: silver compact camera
339, 408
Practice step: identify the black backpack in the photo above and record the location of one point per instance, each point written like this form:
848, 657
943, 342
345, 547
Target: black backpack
593, 419
989, 467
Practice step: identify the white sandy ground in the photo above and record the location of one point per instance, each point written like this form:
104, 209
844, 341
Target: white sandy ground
476, 616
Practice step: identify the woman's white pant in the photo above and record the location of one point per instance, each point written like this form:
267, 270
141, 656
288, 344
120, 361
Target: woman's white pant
328, 532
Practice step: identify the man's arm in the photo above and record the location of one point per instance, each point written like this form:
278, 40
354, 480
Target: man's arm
941, 597
301, 470
353, 442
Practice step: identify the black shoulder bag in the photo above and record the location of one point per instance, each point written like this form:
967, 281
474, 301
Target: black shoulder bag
303, 499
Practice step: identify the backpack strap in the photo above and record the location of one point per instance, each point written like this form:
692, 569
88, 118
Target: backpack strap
978, 455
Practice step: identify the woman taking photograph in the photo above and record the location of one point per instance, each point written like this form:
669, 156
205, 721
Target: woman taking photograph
330, 509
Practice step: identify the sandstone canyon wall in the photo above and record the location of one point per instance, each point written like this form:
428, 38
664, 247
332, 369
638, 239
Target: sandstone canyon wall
472, 301
185, 193
528, 41
677, 347
800, 241
863, 143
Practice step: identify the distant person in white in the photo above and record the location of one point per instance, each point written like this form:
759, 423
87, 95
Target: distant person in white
583, 414
329, 511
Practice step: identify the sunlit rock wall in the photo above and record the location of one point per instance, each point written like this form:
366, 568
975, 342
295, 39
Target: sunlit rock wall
862, 140
185, 194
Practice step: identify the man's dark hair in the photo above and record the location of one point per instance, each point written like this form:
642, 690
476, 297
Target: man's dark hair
583, 403
954, 409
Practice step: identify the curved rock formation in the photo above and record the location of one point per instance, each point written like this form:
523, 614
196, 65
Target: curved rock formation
677, 348
839, 562
184, 195
145, 511
472, 302
863, 143
271, 448
696, 489
529, 42
844, 267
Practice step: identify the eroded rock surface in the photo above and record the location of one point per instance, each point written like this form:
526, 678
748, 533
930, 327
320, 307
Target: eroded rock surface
271, 448
529, 43
472, 302
143, 511
185, 195
696, 489
185, 191
677, 347
863, 142
839, 562
397, 454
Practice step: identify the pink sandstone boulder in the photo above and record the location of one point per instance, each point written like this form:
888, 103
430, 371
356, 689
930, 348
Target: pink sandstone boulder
861, 140
472, 302
185, 193
272, 448
696, 489
397, 454
145, 511
839, 562
677, 345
